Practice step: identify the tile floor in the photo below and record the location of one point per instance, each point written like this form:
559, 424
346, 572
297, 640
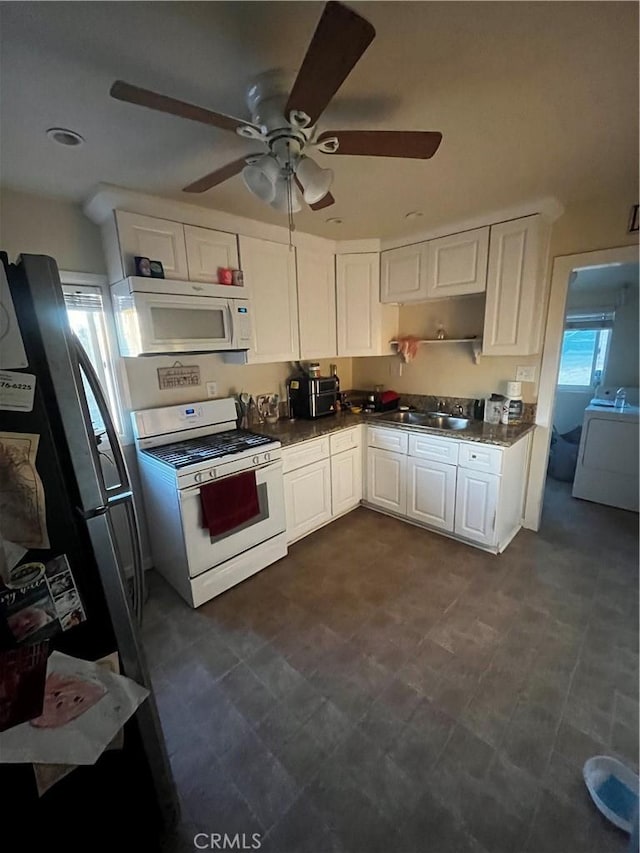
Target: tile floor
387, 689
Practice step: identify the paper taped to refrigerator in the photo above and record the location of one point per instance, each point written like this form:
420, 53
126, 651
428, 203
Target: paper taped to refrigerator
12, 352
22, 508
83, 739
17, 391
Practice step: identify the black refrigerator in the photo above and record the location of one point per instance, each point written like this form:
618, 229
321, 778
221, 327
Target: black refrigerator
128, 795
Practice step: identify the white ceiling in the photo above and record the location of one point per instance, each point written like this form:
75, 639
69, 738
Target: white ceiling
533, 99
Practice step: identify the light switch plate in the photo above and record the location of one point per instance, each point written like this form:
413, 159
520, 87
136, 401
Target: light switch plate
526, 373
212, 388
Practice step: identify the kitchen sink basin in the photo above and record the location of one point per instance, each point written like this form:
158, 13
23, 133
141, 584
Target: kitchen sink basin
426, 419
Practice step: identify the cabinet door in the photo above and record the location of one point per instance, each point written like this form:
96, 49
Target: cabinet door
514, 305
270, 276
156, 239
358, 305
387, 480
476, 506
346, 480
316, 303
431, 494
403, 274
307, 497
458, 264
207, 250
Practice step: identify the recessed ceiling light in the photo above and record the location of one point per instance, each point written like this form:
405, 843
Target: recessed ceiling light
63, 136
334, 221
413, 214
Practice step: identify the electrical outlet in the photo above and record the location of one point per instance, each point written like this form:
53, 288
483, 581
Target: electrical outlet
212, 388
526, 373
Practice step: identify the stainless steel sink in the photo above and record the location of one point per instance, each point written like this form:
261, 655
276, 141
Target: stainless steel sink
435, 420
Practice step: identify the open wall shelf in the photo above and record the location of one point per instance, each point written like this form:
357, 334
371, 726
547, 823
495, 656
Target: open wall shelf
475, 343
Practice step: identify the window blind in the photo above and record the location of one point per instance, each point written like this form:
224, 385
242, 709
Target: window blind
595, 319
83, 298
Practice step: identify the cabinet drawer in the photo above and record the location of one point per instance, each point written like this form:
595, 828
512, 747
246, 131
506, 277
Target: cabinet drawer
434, 448
388, 439
480, 457
344, 440
305, 453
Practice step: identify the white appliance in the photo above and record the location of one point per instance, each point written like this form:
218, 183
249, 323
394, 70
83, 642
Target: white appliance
164, 316
181, 448
607, 469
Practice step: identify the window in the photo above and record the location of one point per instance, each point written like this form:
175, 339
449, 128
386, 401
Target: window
585, 347
86, 317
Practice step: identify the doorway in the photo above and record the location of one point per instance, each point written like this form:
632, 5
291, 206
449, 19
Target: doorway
565, 270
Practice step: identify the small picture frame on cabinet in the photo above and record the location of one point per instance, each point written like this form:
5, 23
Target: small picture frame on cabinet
157, 270
143, 266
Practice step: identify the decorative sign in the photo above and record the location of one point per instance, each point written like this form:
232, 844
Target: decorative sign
178, 376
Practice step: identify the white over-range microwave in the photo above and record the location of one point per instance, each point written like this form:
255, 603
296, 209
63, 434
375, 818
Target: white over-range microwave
155, 316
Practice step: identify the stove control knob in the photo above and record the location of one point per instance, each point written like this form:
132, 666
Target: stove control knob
267, 457
198, 477
212, 474
256, 460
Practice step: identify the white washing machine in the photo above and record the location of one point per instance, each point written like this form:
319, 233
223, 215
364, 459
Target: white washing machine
607, 470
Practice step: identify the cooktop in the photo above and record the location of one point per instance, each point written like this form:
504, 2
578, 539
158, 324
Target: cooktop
205, 447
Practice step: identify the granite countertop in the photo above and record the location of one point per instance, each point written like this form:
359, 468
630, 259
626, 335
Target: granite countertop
498, 434
292, 432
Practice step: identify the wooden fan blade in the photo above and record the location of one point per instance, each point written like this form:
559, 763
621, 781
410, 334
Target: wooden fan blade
418, 144
214, 178
145, 98
327, 201
339, 41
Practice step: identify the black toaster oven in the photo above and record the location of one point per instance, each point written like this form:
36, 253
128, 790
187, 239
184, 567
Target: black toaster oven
312, 397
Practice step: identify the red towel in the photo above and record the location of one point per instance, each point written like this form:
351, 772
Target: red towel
229, 502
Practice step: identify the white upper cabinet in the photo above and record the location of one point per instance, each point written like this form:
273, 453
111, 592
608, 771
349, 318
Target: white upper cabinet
316, 303
270, 276
207, 250
403, 274
515, 287
365, 327
457, 265
156, 239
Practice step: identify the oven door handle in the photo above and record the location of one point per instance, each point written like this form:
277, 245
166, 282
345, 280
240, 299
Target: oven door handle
187, 490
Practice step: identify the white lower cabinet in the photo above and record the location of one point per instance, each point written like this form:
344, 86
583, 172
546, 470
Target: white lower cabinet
476, 506
387, 480
346, 480
431, 493
307, 497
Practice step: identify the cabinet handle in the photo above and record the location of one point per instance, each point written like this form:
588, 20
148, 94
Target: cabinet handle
473, 456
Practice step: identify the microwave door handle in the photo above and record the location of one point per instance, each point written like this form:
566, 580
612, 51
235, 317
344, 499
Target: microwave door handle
87, 368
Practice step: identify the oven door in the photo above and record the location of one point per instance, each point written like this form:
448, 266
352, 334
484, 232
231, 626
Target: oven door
204, 552
172, 323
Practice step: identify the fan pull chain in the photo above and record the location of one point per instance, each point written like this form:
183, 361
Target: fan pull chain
291, 223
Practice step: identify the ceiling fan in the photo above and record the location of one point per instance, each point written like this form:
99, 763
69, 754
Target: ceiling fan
282, 173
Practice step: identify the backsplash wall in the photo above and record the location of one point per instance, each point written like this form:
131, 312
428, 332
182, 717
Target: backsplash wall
231, 378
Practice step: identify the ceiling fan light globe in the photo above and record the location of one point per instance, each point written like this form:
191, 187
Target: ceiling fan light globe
281, 200
258, 183
315, 181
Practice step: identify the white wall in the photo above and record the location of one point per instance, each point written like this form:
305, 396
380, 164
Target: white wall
446, 370
46, 226
231, 379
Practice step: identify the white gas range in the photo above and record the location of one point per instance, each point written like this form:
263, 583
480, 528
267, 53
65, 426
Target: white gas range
181, 449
